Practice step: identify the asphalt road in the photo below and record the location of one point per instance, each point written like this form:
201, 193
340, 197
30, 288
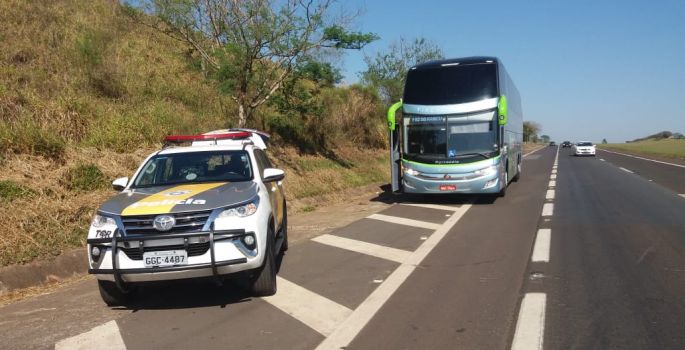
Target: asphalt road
580, 254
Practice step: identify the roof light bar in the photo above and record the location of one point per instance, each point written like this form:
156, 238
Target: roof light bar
208, 137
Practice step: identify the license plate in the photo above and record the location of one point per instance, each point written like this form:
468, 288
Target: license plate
165, 258
448, 188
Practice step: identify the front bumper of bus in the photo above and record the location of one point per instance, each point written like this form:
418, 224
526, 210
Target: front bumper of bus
485, 180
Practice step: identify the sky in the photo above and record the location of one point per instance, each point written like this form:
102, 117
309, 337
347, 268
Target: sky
586, 70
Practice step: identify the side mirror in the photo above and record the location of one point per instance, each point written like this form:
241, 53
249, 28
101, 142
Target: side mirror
271, 174
120, 183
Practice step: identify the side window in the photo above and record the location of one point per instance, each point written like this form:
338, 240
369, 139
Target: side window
261, 163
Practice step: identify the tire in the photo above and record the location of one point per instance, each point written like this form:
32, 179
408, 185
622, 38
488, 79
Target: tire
113, 296
264, 279
284, 228
503, 191
518, 172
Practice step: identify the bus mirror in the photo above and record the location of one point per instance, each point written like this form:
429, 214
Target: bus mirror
502, 110
391, 115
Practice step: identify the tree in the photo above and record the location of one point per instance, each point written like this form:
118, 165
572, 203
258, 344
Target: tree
386, 71
604, 141
530, 131
251, 46
545, 138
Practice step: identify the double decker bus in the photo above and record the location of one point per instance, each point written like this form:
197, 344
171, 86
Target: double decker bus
460, 130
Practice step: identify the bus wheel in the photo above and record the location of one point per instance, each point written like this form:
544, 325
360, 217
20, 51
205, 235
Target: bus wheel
503, 191
518, 172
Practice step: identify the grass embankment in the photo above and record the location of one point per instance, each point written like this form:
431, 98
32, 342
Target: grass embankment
667, 148
86, 94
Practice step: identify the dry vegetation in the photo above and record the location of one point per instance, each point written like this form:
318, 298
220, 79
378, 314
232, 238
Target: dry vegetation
85, 95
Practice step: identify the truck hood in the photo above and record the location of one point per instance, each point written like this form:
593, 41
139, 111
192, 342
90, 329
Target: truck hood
180, 198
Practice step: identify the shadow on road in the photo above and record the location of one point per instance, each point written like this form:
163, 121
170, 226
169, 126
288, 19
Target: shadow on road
193, 293
388, 197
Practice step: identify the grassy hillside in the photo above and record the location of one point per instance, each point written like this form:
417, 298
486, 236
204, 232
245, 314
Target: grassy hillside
669, 148
86, 94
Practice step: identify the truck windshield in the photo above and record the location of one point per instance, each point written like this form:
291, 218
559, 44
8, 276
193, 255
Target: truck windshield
195, 167
450, 137
451, 84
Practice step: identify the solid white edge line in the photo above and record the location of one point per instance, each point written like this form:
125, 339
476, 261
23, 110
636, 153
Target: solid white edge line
531, 152
550, 194
319, 313
379, 251
103, 337
643, 158
548, 209
404, 221
626, 170
432, 206
348, 330
542, 245
530, 326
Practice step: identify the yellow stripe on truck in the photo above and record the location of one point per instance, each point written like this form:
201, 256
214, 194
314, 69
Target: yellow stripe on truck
164, 201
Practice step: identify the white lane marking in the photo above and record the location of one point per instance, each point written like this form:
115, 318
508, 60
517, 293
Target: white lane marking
542, 245
550, 194
602, 159
682, 195
552, 183
626, 170
530, 327
319, 313
103, 337
404, 221
343, 335
553, 176
643, 158
531, 152
432, 206
548, 209
379, 251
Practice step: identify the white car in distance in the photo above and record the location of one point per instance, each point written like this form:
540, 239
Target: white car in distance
584, 148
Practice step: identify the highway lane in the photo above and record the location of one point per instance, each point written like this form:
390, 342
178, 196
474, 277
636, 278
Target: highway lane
669, 176
465, 294
616, 272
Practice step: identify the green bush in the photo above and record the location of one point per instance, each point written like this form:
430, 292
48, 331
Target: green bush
85, 177
28, 137
10, 190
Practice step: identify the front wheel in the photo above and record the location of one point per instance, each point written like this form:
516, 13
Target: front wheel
264, 279
113, 296
518, 172
503, 191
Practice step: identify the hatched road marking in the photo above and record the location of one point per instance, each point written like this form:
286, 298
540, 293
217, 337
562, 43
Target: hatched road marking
103, 337
403, 221
432, 206
349, 329
379, 251
318, 312
530, 327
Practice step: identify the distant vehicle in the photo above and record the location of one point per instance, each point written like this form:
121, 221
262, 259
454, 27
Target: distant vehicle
552, 143
461, 129
214, 208
566, 144
584, 148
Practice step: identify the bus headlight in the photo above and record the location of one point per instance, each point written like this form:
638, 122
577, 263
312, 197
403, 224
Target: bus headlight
410, 171
486, 171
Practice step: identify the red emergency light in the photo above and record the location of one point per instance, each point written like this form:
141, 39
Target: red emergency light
208, 137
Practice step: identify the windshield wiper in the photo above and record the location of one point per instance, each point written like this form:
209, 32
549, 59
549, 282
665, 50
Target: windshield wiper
484, 155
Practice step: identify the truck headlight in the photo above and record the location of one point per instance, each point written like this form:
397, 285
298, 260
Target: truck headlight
101, 220
486, 171
241, 211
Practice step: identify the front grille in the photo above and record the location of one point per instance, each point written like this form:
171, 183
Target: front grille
185, 223
194, 249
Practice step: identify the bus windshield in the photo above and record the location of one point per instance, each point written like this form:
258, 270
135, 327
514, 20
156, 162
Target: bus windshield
450, 137
451, 84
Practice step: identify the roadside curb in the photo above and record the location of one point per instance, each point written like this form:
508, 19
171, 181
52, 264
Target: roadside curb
68, 264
